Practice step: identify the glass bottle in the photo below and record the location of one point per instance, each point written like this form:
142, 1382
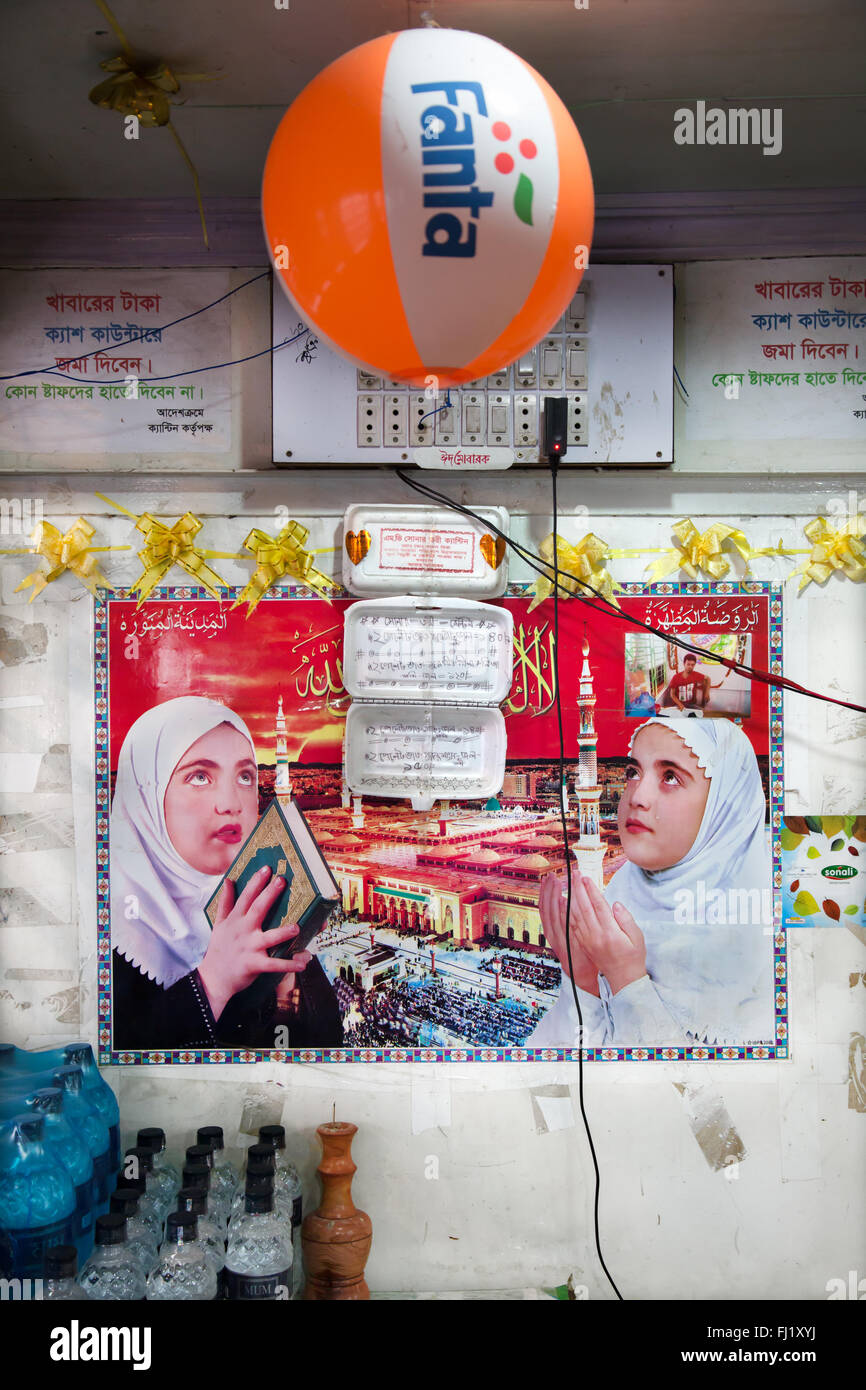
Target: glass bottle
154, 1139
37, 1198
159, 1189
210, 1237
225, 1176
261, 1162
140, 1237
287, 1184
112, 1271
259, 1254
220, 1200
197, 1175
182, 1271
60, 1283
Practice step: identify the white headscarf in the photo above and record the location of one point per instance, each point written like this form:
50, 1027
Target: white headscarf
168, 933
714, 978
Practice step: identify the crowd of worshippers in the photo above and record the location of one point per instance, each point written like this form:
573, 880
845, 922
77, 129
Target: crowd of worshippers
394, 1017
528, 972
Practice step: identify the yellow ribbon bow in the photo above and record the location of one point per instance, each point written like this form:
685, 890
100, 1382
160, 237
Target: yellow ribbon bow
167, 546
138, 88
698, 552
69, 551
833, 548
279, 555
578, 565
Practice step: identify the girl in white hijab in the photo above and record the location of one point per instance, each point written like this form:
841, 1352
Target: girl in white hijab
176, 825
678, 948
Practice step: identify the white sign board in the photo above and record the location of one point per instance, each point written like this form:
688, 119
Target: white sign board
774, 350
114, 373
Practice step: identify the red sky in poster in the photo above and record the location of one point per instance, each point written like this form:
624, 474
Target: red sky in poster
293, 647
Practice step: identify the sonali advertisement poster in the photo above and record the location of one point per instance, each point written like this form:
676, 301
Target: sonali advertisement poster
447, 941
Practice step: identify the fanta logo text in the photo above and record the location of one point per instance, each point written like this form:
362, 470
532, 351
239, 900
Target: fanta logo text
448, 157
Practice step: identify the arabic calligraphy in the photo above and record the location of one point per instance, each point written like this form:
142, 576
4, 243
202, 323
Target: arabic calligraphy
533, 685
734, 615
159, 620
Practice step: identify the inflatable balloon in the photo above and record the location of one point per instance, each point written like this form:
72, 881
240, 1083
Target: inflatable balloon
428, 206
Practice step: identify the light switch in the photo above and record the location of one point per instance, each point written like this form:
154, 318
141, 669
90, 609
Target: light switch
576, 363
551, 363
473, 418
575, 314
525, 370
497, 421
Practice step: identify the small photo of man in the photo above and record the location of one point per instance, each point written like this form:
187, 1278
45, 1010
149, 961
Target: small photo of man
688, 689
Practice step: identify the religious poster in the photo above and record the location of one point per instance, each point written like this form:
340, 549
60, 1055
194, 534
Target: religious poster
444, 935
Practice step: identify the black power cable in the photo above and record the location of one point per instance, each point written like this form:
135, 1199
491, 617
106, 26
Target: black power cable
568, 871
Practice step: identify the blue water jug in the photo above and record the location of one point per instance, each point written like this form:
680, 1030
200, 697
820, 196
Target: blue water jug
37, 1199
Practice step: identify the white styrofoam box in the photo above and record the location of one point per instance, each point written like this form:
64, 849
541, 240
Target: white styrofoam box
613, 345
399, 656
424, 751
454, 650
429, 550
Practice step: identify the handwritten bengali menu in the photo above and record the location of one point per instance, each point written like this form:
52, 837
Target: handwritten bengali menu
96, 363
773, 355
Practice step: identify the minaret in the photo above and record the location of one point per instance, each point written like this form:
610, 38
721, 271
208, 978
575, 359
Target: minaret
590, 848
357, 813
282, 780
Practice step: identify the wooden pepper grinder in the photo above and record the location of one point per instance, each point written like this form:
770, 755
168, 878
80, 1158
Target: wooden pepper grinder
336, 1238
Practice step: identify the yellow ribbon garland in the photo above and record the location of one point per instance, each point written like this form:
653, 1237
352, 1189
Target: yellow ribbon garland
701, 552
139, 89
279, 555
833, 548
578, 565
64, 551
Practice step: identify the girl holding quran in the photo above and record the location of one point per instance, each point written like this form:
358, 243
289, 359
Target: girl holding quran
185, 800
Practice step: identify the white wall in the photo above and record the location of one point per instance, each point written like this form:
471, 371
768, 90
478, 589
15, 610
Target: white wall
512, 1206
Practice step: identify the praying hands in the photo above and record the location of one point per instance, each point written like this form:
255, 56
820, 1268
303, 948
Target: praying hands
604, 941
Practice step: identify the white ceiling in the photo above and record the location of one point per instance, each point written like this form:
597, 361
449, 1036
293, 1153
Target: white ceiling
621, 66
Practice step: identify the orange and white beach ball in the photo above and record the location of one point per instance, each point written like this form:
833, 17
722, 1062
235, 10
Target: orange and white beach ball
428, 205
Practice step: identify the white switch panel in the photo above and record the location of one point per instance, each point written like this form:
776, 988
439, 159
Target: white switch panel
330, 411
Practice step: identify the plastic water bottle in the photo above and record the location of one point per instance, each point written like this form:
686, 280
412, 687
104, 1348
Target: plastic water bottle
197, 1175
219, 1200
209, 1237
140, 1237
60, 1283
73, 1153
154, 1139
17, 1060
87, 1121
37, 1199
224, 1176
261, 1162
158, 1187
113, 1270
259, 1254
287, 1185
147, 1211
182, 1271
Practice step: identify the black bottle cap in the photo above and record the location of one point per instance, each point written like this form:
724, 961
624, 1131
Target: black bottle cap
258, 1201
200, 1153
111, 1229
124, 1200
153, 1139
61, 1262
196, 1175
181, 1225
274, 1135
210, 1134
127, 1183
192, 1199
143, 1163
